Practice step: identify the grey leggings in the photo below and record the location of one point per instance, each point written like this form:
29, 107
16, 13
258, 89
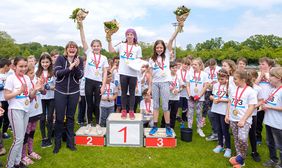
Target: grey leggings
160, 90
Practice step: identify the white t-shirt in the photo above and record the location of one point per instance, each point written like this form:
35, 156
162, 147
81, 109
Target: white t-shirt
135, 53
221, 91
138, 89
159, 74
13, 84
231, 85
117, 81
175, 83
184, 77
258, 91
273, 118
90, 70
149, 114
110, 90
248, 97
144, 85
49, 93
212, 75
265, 86
3, 78
82, 86
35, 107
199, 82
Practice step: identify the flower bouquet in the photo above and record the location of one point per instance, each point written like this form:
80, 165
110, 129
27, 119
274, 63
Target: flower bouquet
78, 15
111, 27
181, 15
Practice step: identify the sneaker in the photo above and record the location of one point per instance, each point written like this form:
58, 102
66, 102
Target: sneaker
218, 149
153, 131
237, 160
6, 136
87, 129
2, 151
256, 156
270, 163
131, 115
182, 125
123, 114
34, 156
212, 137
99, 129
27, 161
200, 132
48, 143
278, 165
227, 153
258, 143
43, 143
178, 118
168, 132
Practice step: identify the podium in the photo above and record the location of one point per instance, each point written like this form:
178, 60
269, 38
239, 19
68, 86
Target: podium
159, 140
124, 132
91, 139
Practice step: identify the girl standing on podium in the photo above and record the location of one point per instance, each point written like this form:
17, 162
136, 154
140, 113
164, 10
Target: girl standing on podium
160, 80
128, 51
95, 74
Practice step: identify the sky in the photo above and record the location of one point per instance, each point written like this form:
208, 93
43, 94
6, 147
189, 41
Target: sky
47, 21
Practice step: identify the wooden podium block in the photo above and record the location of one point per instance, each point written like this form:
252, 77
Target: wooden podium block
159, 140
124, 132
91, 139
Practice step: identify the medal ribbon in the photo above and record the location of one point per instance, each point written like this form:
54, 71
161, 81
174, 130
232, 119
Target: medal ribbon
97, 62
183, 77
271, 96
148, 106
197, 79
128, 53
236, 100
35, 98
23, 83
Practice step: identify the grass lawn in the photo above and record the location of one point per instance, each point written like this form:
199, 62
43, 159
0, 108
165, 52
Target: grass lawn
197, 153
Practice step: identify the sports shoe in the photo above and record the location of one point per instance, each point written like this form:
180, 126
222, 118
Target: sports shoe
123, 114
99, 129
218, 149
227, 153
182, 125
48, 143
6, 135
212, 137
200, 132
256, 156
87, 129
270, 163
2, 151
44, 143
34, 156
168, 132
153, 130
237, 160
27, 161
278, 165
131, 115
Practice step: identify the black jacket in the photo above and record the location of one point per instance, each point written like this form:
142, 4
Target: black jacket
67, 81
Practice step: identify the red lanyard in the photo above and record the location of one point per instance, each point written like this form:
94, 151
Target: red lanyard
174, 83
183, 77
33, 88
148, 106
162, 64
128, 53
272, 95
97, 62
236, 100
218, 92
197, 79
108, 89
45, 79
25, 91
212, 71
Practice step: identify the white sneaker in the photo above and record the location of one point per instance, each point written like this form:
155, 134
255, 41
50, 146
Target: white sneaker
200, 132
99, 129
87, 129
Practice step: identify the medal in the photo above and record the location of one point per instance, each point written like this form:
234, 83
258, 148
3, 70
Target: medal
127, 62
36, 105
235, 112
97, 62
183, 77
26, 102
97, 73
196, 90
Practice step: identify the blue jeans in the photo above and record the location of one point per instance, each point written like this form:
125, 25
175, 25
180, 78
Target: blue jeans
105, 112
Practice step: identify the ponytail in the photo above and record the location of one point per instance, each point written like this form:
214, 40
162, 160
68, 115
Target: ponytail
246, 75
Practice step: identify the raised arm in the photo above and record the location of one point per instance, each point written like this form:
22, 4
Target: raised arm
82, 36
169, 45
110, 47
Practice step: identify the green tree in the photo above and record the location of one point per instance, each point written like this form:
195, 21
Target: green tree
7, 46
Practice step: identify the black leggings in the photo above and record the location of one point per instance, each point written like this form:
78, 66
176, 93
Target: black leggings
252, 134
260, 117
173, 108
48, 107
4, 119
65, 106
223, 130
128, 82
92, 90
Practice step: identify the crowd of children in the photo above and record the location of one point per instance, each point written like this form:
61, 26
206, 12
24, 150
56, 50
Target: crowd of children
230, 96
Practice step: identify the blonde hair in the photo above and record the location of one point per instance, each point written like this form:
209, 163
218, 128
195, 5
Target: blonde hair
276, 72
245, 75
231, 64
200, 62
